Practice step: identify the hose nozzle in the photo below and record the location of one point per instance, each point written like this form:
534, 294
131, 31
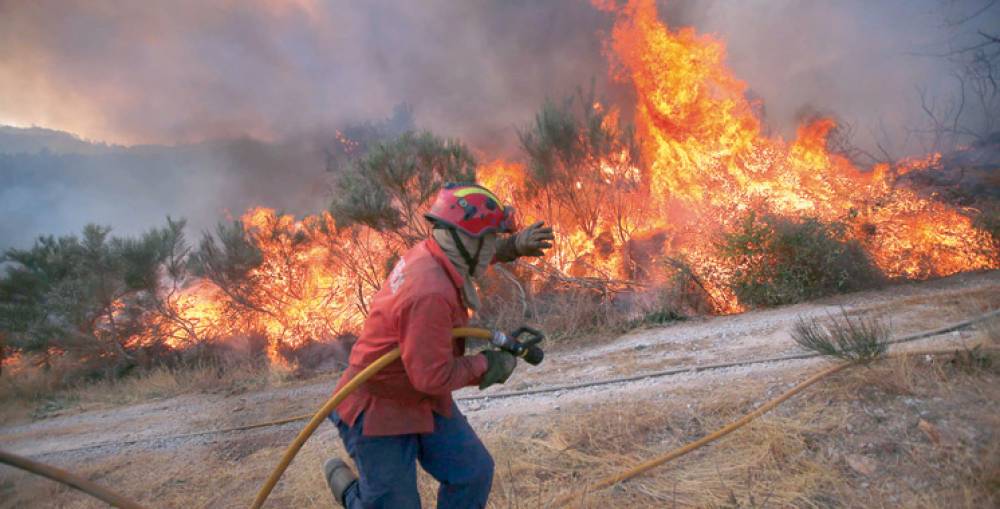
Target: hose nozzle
527, 349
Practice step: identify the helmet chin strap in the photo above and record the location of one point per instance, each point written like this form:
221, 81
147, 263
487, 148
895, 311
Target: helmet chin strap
471, 261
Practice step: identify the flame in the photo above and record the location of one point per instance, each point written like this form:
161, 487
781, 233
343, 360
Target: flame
706, 162
709, 161
311, 285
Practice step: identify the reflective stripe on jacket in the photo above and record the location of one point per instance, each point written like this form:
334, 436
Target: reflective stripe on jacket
418, 305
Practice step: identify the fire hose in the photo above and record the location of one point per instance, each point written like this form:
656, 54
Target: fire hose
527, 351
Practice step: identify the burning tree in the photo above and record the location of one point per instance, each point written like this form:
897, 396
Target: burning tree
583, 167
300, 281
229, 260
707, 162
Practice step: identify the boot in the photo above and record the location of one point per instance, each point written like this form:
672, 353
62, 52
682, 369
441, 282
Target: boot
339, 477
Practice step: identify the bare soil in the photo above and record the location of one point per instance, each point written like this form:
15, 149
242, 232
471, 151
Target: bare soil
919, 434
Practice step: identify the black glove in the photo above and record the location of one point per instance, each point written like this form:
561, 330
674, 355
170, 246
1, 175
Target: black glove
532, 240
500, 365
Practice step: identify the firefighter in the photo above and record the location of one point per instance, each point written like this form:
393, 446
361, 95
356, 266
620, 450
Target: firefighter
405, 413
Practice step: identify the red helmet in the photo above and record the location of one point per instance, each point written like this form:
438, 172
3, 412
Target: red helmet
472, 209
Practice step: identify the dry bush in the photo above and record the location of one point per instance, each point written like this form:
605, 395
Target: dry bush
574, 312
560, 310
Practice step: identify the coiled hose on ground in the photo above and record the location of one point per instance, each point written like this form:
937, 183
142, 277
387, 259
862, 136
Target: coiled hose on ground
119, 501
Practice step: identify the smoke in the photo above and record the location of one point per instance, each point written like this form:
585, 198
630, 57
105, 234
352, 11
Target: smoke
242, 99
274, 79
187, 71
865, 63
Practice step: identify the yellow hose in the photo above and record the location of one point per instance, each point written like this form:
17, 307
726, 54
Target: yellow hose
332, 403
729, 428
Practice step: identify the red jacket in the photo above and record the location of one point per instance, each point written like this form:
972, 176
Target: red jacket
415, 310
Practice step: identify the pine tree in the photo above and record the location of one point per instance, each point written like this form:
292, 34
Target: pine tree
88, 295
390, 186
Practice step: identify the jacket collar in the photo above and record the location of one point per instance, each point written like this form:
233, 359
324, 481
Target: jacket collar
442, 259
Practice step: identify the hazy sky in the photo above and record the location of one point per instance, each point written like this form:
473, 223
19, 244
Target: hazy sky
187, 70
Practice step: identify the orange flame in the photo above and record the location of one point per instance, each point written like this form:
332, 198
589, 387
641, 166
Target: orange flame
706, 162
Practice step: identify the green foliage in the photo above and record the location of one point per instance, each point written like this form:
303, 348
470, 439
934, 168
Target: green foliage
86, 295
782, 261
394, 181
858, 339
582, 159
227, 258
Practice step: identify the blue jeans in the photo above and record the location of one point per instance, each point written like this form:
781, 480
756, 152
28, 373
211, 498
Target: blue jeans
452, 454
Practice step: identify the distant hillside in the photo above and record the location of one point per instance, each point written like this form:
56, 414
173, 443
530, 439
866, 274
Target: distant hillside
52, 182
15, 140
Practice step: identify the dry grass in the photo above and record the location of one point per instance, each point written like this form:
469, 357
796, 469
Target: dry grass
801, 456
926, 311
33, 393
767, 463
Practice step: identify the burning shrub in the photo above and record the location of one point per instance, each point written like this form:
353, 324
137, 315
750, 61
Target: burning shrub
93, 297
685, 294
228, 260
293, 281
586, 165
782, 261
312, 355
245, 351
